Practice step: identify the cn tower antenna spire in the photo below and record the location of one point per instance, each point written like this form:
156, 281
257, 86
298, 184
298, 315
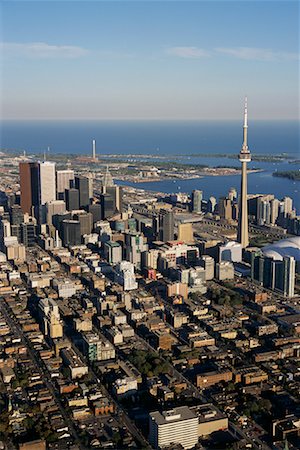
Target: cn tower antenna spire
246, 113
244, 157
245, 128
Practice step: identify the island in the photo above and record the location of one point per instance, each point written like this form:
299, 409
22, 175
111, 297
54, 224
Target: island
290, 174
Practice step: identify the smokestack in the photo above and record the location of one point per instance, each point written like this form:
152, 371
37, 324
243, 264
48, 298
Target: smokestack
94, 148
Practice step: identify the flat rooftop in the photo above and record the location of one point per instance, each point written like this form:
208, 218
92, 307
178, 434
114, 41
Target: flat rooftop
208, 413
174, 415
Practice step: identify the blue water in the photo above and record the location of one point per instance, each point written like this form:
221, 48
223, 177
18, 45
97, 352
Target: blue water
290, 163
149, 137
258, 183
170, 139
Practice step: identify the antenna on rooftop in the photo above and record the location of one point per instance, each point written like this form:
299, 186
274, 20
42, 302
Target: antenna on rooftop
48, 151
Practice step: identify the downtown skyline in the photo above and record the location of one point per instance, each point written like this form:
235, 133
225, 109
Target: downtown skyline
149, 240
162, 60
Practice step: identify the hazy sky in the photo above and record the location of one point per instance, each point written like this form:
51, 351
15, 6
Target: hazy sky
149, 59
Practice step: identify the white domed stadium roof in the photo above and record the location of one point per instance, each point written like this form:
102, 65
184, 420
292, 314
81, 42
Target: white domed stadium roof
284, 247
230, 244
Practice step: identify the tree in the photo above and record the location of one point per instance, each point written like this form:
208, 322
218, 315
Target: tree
116, 437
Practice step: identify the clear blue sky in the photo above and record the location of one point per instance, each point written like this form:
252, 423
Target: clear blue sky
156, 59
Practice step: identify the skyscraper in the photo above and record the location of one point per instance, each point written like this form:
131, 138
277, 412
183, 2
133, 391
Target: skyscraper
287, 282
28, 233
244, 157
96, 211
263, 211
274, 273
16, 215
197, 201
163, 225
274, 206
64, 180
46, 188
72, 199
287, 205
108, 205
90, 177
232, 194
29, 183
185, 232
211, 204
116, 192
107, 180
47, 185
225, 208
82, 184
86, 222
54, 207
16, 219
71, 232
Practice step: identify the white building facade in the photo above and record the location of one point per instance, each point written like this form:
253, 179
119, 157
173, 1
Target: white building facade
176, 426
47, 185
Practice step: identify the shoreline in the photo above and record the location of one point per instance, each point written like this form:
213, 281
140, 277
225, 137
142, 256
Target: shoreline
136, 180
264, 157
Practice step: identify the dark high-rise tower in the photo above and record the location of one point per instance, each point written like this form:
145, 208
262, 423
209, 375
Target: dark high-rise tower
244, 157
108, 205
16, 215
96, 211
28, 233
163, 225
29, 186
82, 184
116, 193
71, 232
72, 199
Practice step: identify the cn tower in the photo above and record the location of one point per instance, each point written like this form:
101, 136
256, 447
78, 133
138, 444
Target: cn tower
244, 157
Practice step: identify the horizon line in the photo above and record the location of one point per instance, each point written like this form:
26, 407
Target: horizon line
141, 119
